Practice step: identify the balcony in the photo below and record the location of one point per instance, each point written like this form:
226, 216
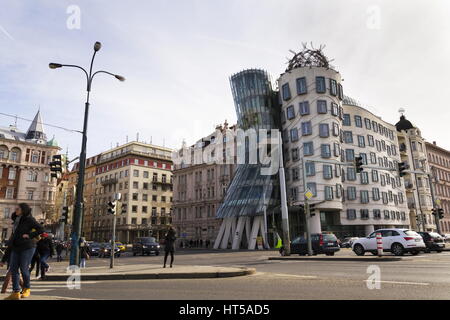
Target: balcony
107, 182
167, 183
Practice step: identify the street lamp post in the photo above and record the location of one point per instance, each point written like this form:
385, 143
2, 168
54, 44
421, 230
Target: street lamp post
77, 217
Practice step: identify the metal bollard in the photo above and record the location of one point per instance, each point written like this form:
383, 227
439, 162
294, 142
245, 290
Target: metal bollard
379, 244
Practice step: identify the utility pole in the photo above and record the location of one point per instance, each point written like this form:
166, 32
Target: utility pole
117, 207
307, 211
284, 208
436, 216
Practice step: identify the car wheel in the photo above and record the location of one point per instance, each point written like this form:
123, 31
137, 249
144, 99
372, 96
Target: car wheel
359, 250
427, 251
397, 249
330, 253
438, 251
414, 253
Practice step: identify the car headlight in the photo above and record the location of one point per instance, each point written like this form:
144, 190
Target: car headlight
145, 247
158, 246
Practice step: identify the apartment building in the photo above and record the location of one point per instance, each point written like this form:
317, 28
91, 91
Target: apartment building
439, 161
142, 173
25, 173
199, 189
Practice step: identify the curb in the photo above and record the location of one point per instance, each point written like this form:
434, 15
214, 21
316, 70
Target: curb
370, 259
148, 276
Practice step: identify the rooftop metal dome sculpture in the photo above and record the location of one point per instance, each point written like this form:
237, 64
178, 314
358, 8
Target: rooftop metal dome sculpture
309, 58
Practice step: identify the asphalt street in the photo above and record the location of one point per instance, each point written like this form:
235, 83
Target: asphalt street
426, 276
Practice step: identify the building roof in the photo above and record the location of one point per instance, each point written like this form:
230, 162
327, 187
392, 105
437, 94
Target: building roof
36, 129
404, 124
34, 134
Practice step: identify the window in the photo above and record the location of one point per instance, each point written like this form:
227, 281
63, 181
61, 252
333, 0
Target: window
135, 196
367, 123
351, 214
286, 91
341, 91
308, 149
304, 108
351, 174
30, 194
361, 142
374, 176
375, 194
364, 214
321, 106
364, 177
312, 186
327, 171
351, 193
290, 112
283, 117
145, 174
310, 168
135, 185
135, 173
358, 121
334, 109
294, 193
333, 87
320, 85
370, 140
325, 151
336, 149
364, 158
348, 137
386, 214
306, 128
295, 155
346, 120
335, 129
294, 134
384, 196
301, 86
373, 158
295, 174
349, 155
364, 194
144, 209
377, 214
324, 130
329, 193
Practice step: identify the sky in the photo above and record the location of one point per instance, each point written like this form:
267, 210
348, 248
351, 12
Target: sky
177, 57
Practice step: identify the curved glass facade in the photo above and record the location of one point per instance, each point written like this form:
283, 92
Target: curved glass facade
256, 108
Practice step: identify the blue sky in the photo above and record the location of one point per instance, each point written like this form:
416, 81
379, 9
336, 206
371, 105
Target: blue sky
177, 56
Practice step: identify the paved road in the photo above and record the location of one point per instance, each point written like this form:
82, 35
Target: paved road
426, 276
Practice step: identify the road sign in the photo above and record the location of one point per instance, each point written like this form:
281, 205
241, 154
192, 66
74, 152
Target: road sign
308, 194
438, 202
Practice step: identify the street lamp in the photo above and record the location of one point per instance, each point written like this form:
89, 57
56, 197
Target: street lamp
77, 217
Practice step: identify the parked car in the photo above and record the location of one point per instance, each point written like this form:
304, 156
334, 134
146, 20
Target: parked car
94, 248
105, 251
322, 243
433, 241
348, 241
397, 241
121, 246
147, 245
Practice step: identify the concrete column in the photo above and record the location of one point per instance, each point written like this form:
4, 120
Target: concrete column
220, 235
369, 229
237, 236
314, 223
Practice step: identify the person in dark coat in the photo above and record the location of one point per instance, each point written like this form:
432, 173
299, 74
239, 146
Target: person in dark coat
169, 245
84, 252
45, 249
59, 250
25, 228
36, 262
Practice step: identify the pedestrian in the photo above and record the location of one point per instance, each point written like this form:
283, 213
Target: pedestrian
5, 260
36, 262
169, 245
59, 250
84, 252
45, 249
25, 228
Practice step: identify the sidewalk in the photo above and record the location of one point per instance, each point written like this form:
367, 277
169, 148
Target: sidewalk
339, 258
147, 271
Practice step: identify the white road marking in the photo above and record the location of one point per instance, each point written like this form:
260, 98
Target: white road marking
401, 282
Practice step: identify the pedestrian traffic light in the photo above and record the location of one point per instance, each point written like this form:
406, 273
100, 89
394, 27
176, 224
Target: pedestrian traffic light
112, 207
65, 214
56, 166
402, 166
358, 164
441, 213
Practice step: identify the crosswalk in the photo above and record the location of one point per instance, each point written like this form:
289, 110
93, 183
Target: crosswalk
46, 286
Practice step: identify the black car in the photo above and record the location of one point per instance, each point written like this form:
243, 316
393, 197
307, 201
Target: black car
105, 251
147, 245
433, 241
94, 248
322, 243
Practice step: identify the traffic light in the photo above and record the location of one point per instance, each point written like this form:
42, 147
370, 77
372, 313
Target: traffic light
56, 165
65, 214
402, 166
358, 164
441, 213
433, 211
112, 207
312, 208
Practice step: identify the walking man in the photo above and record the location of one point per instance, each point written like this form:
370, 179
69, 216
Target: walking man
59, 250
169, 245
45, 249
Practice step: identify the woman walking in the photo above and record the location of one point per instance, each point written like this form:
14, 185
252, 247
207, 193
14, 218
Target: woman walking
84, 252
169, 245
25, 228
